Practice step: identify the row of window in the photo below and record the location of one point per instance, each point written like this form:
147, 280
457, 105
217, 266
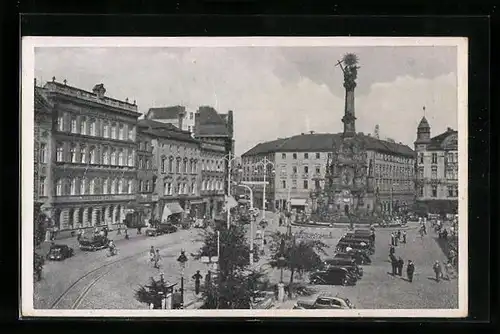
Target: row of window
451, 191
212, 185
146, 186
305, 184
394, 184
84, 186
383, 169
170, 189
451, 173
90, 155
434, 158
145, 163
95, 127
393, 158
317, 155
452, 157
181, 166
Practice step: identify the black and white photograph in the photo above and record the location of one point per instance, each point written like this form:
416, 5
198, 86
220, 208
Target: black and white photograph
273, 177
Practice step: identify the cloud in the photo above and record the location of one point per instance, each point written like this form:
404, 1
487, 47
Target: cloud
274, 92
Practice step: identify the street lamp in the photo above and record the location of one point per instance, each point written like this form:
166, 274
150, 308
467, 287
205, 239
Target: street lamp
229, 161
251, 220
182, 259
264, 162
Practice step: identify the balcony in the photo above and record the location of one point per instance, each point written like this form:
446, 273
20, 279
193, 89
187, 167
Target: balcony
94, 198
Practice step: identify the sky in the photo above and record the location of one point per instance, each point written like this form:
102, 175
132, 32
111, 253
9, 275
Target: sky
274, 92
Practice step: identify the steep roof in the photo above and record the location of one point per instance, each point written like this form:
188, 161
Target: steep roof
164, 130
171, 112
211, 123
320, 142
423, 124
437, 141
149, 123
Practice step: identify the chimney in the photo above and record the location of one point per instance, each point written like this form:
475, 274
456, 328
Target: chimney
99, 90
449, 129
311, 132
230, 125
180, 117
196, 122
302, 133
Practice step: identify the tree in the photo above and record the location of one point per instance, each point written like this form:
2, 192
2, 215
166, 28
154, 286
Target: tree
151, 293
297, 253
234, 286
39, 227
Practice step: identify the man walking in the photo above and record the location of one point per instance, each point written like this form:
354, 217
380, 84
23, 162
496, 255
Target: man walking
437, 270
410, 269
197, 277
157, 259
404, 237
393, 264
401, 263
392, 239
396, 239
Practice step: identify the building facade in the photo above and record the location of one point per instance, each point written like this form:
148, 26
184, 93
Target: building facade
213, 179
176, 115
90, 171
300, 167
437, 169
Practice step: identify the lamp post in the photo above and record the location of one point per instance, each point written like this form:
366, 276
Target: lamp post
265, 162
182, 259
229, 162
251, 220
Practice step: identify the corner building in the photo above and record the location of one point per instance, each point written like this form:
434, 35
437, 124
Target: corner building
87, 159
300, 167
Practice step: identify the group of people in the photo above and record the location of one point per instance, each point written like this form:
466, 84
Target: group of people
397, 264
398, 237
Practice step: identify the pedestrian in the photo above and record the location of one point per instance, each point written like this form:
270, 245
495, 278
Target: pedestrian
392, 250
96, 230
448, 269
393, 264
401, 263
399, 235
197, 277
396, 239
105, 232
392, 239
152, 254
139, 229
79, 235
404, 237
157, 259
437, 270
452, 257
410, 269
126, 233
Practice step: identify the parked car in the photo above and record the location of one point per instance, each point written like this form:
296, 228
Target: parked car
324, 302
59, 252
359, 257
348, 263
342, 246
359, 239
161, 229
96, 242
333, 276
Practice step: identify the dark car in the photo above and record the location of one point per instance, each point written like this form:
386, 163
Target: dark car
359, 257
361, 246
349, 264
59, 252
93, 243
161, 229
333, 276
360, 240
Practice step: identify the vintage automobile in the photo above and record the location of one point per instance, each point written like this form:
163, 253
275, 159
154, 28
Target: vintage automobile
324, 302
347, 263
161, 229
333, 276
355, 238
359, 257
59, 252
262, 300
344, 246
96, 242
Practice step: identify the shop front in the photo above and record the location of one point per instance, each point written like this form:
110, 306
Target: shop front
172, 212
298, 204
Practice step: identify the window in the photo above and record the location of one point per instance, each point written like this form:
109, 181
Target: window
318, 170
73, 125
434, 172
283, 184
141, 186
92, 187
330, 155
131, 133
60, 123
306, 169
294, 156
294, 184
72, 189
177, 166
130, 186
130, 159
163, 165
306, 184
170, 166
92, 127
113, 186
434, 158
106, 156
189, 128
120, 186
105, 186
83, 186
191, 115
106, 130
421, 158
185, 166
456, 191
42, 186
43, 153
83, 126
306, 155
148, 164
72, 154
203, 185
434, 191
113, 157
59, 187
450, 191
120, 132
92, 155
294, 169
318, 156
60, 152
283, 155
317, 184
120, 158
113, 131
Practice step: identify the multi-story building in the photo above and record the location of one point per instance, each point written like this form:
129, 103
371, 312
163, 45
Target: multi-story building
213, 178
176, 115
87, 159
437, 169
300, 166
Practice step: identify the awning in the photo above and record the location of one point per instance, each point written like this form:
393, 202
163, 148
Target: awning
298, 202
230, 202
171, 208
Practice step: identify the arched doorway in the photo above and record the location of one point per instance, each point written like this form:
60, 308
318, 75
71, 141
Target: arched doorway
89, 216
346, 209
98, 217
117, 214
57, 218
71, 220
80, 216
